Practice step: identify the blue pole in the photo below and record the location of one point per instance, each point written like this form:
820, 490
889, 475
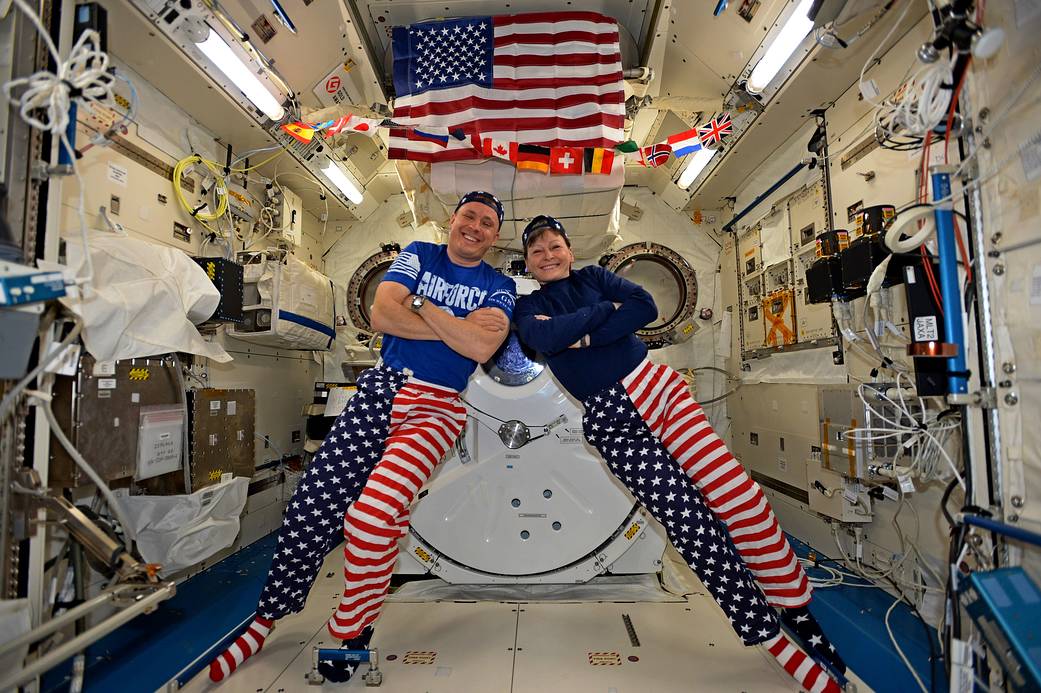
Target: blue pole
784, 179
65, 156
948, 254
1002, 528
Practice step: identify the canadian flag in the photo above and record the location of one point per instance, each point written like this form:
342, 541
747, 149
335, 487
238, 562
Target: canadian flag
500, 149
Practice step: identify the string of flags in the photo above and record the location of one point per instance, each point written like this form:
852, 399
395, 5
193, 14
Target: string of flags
529, 157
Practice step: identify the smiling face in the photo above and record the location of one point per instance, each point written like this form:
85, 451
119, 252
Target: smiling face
472, 230
548, 256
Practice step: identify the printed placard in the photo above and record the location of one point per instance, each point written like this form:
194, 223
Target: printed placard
118, 174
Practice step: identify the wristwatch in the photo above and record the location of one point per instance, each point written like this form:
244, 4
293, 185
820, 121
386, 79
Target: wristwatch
417, 302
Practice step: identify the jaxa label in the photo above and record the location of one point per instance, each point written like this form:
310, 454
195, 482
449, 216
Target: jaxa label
925, 329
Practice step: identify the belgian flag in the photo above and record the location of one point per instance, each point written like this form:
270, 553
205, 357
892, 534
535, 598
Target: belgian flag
599, 160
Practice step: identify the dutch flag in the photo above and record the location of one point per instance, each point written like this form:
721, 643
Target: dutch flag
685, 143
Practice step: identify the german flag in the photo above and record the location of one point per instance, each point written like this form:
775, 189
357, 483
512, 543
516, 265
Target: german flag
599, 160
530, 157
302, 132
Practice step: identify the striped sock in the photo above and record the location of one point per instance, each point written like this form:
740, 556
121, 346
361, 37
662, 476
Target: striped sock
247, 644
801, 667
341, 672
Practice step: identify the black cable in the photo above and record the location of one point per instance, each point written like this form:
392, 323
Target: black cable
945, 498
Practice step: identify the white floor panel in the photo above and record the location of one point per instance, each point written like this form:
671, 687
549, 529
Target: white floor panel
469, 647
585, 648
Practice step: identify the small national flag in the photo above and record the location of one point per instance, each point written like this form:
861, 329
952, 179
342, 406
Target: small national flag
599, 160
565, 160
302, 132
530, 157
627, 147
353, 123
716, 130
438, 136
684, 143
490, 147
655, 155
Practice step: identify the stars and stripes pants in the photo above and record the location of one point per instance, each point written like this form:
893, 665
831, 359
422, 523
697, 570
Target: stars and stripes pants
362, 481
614, 427
663, 401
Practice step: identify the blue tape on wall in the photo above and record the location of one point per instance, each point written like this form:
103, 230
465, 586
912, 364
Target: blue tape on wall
307, 322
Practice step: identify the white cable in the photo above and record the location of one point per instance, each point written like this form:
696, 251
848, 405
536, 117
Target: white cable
51, 94
871, 59
903, 658
11, 397
917, 238
113, 503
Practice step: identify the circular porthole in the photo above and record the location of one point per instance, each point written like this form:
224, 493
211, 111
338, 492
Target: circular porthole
670, 279
361, 291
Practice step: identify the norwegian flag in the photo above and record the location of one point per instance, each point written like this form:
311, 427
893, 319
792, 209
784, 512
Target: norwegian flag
655, 155
552, 79
716, 130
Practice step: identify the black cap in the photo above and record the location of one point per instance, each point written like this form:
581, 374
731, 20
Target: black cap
485, 198
539, 224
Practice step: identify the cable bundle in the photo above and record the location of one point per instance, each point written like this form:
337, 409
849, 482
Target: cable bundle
916, 108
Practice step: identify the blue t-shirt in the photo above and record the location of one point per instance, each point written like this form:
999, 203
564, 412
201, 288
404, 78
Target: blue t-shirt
425, 269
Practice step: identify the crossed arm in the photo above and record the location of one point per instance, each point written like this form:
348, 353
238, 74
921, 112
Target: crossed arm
477, 336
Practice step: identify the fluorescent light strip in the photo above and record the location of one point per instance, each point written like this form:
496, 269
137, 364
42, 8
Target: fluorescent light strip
338, 178
221, 55
698, 161
784, 44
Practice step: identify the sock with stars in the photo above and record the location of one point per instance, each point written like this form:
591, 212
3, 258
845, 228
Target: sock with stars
800, 620
247, 644
341, 672
810, 675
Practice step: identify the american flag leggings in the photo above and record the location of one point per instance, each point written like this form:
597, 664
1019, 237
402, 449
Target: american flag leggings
613, 426
362, 481
662, 398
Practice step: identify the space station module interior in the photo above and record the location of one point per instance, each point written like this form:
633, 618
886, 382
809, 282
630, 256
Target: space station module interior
828, 212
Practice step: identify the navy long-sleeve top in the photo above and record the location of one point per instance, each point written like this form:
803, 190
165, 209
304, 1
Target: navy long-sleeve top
583, 303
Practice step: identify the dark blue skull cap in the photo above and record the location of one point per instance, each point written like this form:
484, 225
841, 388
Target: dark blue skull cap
485, 198
539, 224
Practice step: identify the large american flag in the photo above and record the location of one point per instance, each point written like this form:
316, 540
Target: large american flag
548, 78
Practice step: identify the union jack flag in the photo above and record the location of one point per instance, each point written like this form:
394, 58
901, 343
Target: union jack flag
716, 130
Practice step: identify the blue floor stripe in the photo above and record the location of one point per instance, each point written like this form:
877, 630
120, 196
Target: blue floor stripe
853, 619
146, 653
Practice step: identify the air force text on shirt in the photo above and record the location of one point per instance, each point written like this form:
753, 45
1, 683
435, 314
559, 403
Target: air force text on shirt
460, 296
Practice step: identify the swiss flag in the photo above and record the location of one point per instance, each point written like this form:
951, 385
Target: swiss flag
565, 160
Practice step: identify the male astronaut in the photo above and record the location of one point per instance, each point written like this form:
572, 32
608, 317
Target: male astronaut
442, 310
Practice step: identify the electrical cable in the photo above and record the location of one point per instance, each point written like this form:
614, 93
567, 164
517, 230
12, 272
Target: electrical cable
82, 78
874, 54
43, 402
11, 397
220, 188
